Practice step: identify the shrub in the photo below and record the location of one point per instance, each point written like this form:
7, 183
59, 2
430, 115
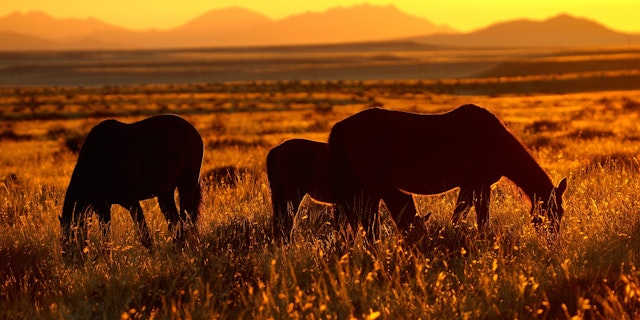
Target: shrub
218, 125
56, 132
323, 108
73, 142
629, 104
542, 142
590, 134
319, 125
543, 126
9, 134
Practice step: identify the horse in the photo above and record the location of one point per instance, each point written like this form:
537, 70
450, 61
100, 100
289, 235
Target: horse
467, 148
122, 164
297, 167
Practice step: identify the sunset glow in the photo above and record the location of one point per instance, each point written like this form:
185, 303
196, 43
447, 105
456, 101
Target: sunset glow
463, 15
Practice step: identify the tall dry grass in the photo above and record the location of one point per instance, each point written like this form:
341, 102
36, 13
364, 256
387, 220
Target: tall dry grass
234, 271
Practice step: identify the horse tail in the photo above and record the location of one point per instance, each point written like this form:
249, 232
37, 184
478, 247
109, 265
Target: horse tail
271, 176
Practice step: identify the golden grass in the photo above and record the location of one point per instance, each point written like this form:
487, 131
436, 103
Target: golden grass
233, 270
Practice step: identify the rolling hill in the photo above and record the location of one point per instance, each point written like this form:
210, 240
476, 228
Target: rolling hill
238, 27
341, 25
561, 31
24, 42
223, 28
42, 25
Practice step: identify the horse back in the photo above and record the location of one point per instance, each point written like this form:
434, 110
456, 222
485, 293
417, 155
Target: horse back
419, 153
167, 149
129, 162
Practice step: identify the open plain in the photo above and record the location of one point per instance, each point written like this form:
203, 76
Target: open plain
580, 123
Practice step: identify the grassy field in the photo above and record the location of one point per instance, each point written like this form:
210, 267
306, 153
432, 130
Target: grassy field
234, 271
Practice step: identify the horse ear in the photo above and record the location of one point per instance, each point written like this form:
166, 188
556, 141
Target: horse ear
562, 186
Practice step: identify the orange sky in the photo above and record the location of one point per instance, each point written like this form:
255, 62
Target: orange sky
464, 15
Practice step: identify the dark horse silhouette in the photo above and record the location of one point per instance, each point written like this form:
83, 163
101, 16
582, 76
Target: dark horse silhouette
468, 147
124, 163
297, 167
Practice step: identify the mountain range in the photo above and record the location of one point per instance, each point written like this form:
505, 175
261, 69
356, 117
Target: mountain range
241, 27
560, 31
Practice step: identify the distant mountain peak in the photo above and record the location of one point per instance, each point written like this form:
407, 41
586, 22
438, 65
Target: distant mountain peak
225, 19
358, 9
43, 25
563, 30
568, 18
562, 17
364, 6
363, 22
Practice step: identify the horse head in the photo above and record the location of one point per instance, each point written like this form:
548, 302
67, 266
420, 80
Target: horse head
73, 227
551, 209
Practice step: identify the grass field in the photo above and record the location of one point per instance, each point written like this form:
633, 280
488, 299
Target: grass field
234, 271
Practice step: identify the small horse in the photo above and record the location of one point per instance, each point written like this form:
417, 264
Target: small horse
377, 149
297, 167
124, 163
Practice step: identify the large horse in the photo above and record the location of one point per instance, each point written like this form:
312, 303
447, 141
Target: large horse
124, 163
297, 167
377, 149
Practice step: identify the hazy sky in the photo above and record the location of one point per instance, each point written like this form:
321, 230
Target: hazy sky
464, 15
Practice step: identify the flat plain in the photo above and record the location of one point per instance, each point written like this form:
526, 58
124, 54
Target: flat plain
233, 270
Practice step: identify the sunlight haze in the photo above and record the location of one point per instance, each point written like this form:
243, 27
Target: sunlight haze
463, 15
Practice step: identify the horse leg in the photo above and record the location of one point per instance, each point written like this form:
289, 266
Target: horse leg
481, 202
143, 231
401, 207
284, 210
368, 216
190, 196
463, 204
169, 209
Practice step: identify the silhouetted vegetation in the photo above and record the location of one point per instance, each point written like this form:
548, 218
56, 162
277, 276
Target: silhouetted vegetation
233, 270
73, 141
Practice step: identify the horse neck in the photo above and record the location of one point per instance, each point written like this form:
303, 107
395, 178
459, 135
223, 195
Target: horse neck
76, 191
527, 174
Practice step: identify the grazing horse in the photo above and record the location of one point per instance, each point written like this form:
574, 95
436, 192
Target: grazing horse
124, 163
297, 167
377, 149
